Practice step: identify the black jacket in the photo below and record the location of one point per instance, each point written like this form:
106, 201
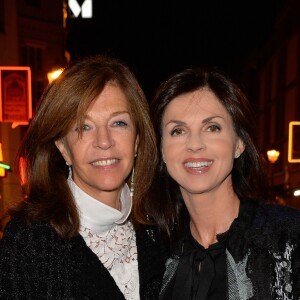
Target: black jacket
36, 263
262, 254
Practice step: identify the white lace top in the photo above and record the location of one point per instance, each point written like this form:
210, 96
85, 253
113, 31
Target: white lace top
109, 234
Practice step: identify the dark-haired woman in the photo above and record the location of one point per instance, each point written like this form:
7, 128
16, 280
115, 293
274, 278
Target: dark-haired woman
210, 191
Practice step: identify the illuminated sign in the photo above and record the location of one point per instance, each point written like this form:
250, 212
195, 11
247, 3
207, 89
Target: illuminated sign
294, 142
84, 11
2, 170
15, 95
3, 166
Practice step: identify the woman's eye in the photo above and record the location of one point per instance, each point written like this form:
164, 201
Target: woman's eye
214, 128
85, 127
120, 124
176, 131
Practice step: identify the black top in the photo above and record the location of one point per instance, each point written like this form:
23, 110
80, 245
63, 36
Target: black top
201, 272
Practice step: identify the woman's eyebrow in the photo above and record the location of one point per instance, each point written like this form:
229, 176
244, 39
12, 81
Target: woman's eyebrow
116, 113
177, 122
204, 121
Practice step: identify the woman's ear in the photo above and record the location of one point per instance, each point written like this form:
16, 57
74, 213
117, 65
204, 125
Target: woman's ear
60, 144
240, 148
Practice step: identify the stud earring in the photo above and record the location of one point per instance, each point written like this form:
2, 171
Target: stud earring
132, 183
237, 154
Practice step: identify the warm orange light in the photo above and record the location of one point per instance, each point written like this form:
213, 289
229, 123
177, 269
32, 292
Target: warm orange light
22, 164
2, 170
292, 136
15, 80
273, 155
54, 74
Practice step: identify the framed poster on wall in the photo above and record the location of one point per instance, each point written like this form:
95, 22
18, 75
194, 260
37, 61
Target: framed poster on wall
15, 95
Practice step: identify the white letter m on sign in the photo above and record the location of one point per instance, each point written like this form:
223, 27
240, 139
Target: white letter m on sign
86, 9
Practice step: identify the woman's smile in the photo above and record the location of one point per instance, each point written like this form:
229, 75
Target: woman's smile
197, 166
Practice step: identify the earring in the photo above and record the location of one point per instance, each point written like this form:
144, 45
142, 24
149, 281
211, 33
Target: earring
132, 183
237, 154
70, 169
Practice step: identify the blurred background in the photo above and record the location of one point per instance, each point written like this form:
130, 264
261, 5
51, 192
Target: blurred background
256, 42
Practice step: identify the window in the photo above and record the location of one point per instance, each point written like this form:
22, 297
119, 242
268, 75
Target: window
33, 57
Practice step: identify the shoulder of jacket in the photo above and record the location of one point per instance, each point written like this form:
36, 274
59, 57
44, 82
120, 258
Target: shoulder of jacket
18, 231
277, 224
269, 214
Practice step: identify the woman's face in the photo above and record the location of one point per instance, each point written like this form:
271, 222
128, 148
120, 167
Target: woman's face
103, 157
199, 142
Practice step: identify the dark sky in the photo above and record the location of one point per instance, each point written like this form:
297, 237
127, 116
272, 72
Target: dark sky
157, 38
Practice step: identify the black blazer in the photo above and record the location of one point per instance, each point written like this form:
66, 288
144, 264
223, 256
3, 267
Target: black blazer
36, 263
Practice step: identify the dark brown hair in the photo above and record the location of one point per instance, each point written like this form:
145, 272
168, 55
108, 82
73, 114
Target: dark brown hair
248, 177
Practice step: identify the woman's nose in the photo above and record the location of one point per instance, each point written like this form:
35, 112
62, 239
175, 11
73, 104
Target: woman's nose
195, 142
104, 138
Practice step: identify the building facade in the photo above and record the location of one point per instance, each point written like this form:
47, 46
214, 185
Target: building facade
275, 84
32, 34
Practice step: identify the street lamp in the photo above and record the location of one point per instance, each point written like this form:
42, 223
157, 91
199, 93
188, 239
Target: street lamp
273, 155
54, 74
297, 193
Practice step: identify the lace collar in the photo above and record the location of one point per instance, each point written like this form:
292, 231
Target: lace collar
96, 215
